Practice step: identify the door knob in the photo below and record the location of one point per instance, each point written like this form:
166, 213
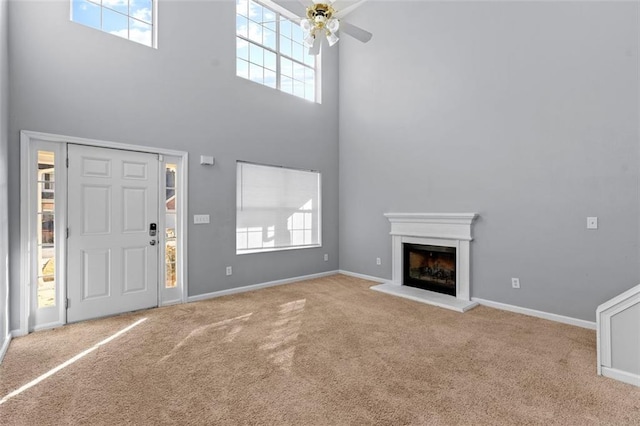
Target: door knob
152, 242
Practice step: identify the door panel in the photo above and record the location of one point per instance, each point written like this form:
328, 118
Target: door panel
113, 265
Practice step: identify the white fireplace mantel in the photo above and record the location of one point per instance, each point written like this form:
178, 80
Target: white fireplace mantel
436, 229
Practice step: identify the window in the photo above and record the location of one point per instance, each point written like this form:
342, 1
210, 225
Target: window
46, 291
270, 50
277, 208
130, 19
170, 226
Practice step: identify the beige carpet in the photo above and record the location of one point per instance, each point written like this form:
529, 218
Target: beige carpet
327, 351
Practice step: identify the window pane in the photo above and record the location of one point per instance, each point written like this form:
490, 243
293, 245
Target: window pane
270, 60
286, 67
115, 23
298, 88
298, 52
296, 33
171, 275
270, 78
269, 38
256, 54
285, 27
140, 32
255, 12
285, 46
309, 60
286, 85
242, 68
242, 7
298, 72
255, 32
47, 229
121, 6
256, 73
142, 10
85, 13
269, 17
242, 49
242, 26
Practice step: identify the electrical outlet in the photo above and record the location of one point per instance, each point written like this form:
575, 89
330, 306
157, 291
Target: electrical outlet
515, 282
326, 257
229, 270
378, 261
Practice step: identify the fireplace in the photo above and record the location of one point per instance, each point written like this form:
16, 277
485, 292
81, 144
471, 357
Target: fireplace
436, 248
430, 268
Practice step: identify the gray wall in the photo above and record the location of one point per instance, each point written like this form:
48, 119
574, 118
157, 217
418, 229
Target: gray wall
524, 112
72, 80
625, 340
4, 133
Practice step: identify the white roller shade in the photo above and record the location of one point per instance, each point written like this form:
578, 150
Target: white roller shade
277, 208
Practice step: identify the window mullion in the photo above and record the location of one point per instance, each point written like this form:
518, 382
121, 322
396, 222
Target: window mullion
278, 56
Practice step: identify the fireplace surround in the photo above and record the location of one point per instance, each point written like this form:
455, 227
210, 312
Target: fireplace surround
451, 230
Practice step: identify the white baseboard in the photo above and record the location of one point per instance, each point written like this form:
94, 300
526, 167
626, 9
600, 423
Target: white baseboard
623, 376
364, 277
257, 286
5, 346
18, 333
539, 314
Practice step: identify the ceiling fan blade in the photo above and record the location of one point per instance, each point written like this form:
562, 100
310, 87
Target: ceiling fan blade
298, 9
315, 49
355, 32
341, 13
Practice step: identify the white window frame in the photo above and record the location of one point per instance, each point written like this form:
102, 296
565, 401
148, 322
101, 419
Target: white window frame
32, 142
154, 21
240, 252
281, 12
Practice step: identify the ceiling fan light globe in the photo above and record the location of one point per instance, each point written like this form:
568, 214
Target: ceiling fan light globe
309, 39
306, 25
332, 38
333, 25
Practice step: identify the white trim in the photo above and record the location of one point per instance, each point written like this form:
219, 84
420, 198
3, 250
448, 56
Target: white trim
25, 246
5, 346
424, 296
438, 229
244, 289
362, 276
100, 143
535, 313
452, 226
633, 291
48, 326
604, 313
17, 333
623, 376
28, 139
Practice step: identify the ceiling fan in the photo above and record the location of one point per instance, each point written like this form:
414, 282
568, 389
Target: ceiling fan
323, 19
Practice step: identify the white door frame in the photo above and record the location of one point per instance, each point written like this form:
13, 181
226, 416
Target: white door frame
29, 143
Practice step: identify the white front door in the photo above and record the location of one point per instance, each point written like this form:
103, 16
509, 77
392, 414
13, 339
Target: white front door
112, 258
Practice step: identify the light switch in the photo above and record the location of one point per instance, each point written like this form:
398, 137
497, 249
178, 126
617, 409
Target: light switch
200, 218
592, 223
207, 160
